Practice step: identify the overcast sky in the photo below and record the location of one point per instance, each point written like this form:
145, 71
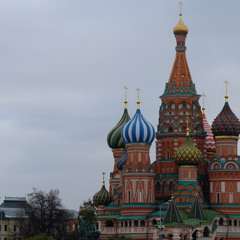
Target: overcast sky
63, 66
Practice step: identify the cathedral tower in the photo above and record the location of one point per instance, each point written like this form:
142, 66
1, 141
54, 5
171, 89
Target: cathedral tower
116, 143
138, 175
179, 100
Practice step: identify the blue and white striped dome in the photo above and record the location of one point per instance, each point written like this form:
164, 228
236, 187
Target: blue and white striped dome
138, 130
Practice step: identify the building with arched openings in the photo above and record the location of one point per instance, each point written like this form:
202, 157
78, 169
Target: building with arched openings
192, 189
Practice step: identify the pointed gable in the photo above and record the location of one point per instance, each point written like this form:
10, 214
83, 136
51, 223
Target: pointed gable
196, 210
172, 214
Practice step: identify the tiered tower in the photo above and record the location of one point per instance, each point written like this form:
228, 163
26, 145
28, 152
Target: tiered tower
209, 141
187, 158
117, 145
224, 170
138, 175
179, 100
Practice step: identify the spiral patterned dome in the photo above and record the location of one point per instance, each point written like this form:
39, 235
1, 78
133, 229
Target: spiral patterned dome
188, 154
102, 197
138, 130
114, 138
209, 141
226, 123
122, 161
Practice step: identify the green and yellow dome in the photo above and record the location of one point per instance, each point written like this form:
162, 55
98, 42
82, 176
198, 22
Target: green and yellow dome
188, 154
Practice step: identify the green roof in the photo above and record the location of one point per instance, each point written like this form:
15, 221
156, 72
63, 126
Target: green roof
132, 217
196, 210
172, 214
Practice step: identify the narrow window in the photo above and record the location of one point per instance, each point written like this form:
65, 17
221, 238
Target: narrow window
218, 197
129, 196
231, 197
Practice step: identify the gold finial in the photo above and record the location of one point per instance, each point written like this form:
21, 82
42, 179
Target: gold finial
203, 103
125, 97
226, 96
103, 181
138, 98
180, 29
180, 8
187, 121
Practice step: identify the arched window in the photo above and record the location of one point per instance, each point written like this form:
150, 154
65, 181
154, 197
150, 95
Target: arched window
170, 186
154, 222
164, 188
135, 223
109, 223
221, 222
167, 154
170, 236
126, 223
142, 223
218, 197
194, 235
158, 187
235, 222
206, 232
230, 222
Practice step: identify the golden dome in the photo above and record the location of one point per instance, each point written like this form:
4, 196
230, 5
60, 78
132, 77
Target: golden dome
188, 154
180, 29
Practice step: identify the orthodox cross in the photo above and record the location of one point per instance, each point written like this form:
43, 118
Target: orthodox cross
226, 82
203, 99
103, 182
126, 91
138, 93
125, 96
138, 98
180, 6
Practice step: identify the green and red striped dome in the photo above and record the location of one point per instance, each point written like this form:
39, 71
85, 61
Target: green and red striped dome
226, 123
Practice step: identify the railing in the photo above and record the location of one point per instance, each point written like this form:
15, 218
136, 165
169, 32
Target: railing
119, 230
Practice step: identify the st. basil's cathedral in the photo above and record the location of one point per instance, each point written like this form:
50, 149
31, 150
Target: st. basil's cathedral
192, 189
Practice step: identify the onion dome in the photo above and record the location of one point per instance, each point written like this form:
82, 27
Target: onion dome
121, 161
138, 129
188, 154
209, 141
102, 197
114, 138
226, 123
180, 29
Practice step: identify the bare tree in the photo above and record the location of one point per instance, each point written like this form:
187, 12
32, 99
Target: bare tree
44, 213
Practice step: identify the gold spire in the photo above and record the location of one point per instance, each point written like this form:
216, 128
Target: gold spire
138, 98
125, 97
180, 28
203, 104
187, 129
226, 96
103, 181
